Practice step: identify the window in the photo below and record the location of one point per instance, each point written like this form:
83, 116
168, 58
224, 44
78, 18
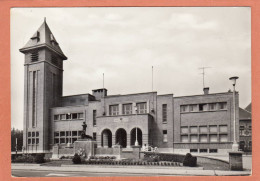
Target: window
94, 136
165, 136
34, 56
68, 116
250, 144
33, 134
212, 106
113, 110
203, 150
184, 139
68, 133
242, 145
193, 129
127, 109
193, 138
193, 108
223, 138
57, 134
74, 139
194, 150
141, 108
56, 117
241, 130
37, 134
213, 129
222, 105
164, 113
37, 140
223, 128
184, 130
29, 134
184, 108
94, 117
74, 116
29, 141
74, 133
80, 115
203, 129
213, 138
62, 133
63, 116
33, 141
213, 150
56, 141
62, 140
203, 138
203, 107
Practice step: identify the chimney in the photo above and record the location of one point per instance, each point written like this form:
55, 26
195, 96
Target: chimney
206, 90
99, 93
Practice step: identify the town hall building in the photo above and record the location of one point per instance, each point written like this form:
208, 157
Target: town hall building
196, 123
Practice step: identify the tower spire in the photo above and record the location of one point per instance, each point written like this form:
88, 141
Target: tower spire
44, 19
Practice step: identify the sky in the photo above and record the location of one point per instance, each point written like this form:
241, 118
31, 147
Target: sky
125, 42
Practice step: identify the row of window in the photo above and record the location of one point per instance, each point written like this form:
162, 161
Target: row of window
62, 137
68, 116
33, 134
127, 109
204, 150
204, 129
204, 138
33, 141
204, 107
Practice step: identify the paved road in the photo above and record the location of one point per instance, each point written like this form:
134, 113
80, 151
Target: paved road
51, 173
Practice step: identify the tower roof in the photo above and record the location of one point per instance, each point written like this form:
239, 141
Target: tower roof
43, 37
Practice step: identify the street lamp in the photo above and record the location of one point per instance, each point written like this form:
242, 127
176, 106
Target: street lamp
235, 144
136, 141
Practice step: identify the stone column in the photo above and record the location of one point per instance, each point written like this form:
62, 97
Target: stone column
133, 108
113, 139
105, 140
120, 109
128, 141
99, 141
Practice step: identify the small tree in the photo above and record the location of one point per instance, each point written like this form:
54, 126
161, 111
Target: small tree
76, 159
39, 158
190, 160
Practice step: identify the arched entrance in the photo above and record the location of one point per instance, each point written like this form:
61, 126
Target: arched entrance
106, 138
139, 136
121, 137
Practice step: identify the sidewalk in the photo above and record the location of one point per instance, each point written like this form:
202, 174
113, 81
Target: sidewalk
131, 169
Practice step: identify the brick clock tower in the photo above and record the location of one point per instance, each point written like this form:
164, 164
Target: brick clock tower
43, 75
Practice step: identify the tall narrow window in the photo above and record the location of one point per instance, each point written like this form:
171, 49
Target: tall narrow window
94, 135
53, 88
164, 113
94, 117
34, 98
141, 108
165, 136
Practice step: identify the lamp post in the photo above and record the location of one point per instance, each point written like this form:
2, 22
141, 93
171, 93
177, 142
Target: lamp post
235, 144
136, 141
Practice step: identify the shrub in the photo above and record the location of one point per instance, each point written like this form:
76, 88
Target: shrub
76, 159
190, 160
24, 159
39, 158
